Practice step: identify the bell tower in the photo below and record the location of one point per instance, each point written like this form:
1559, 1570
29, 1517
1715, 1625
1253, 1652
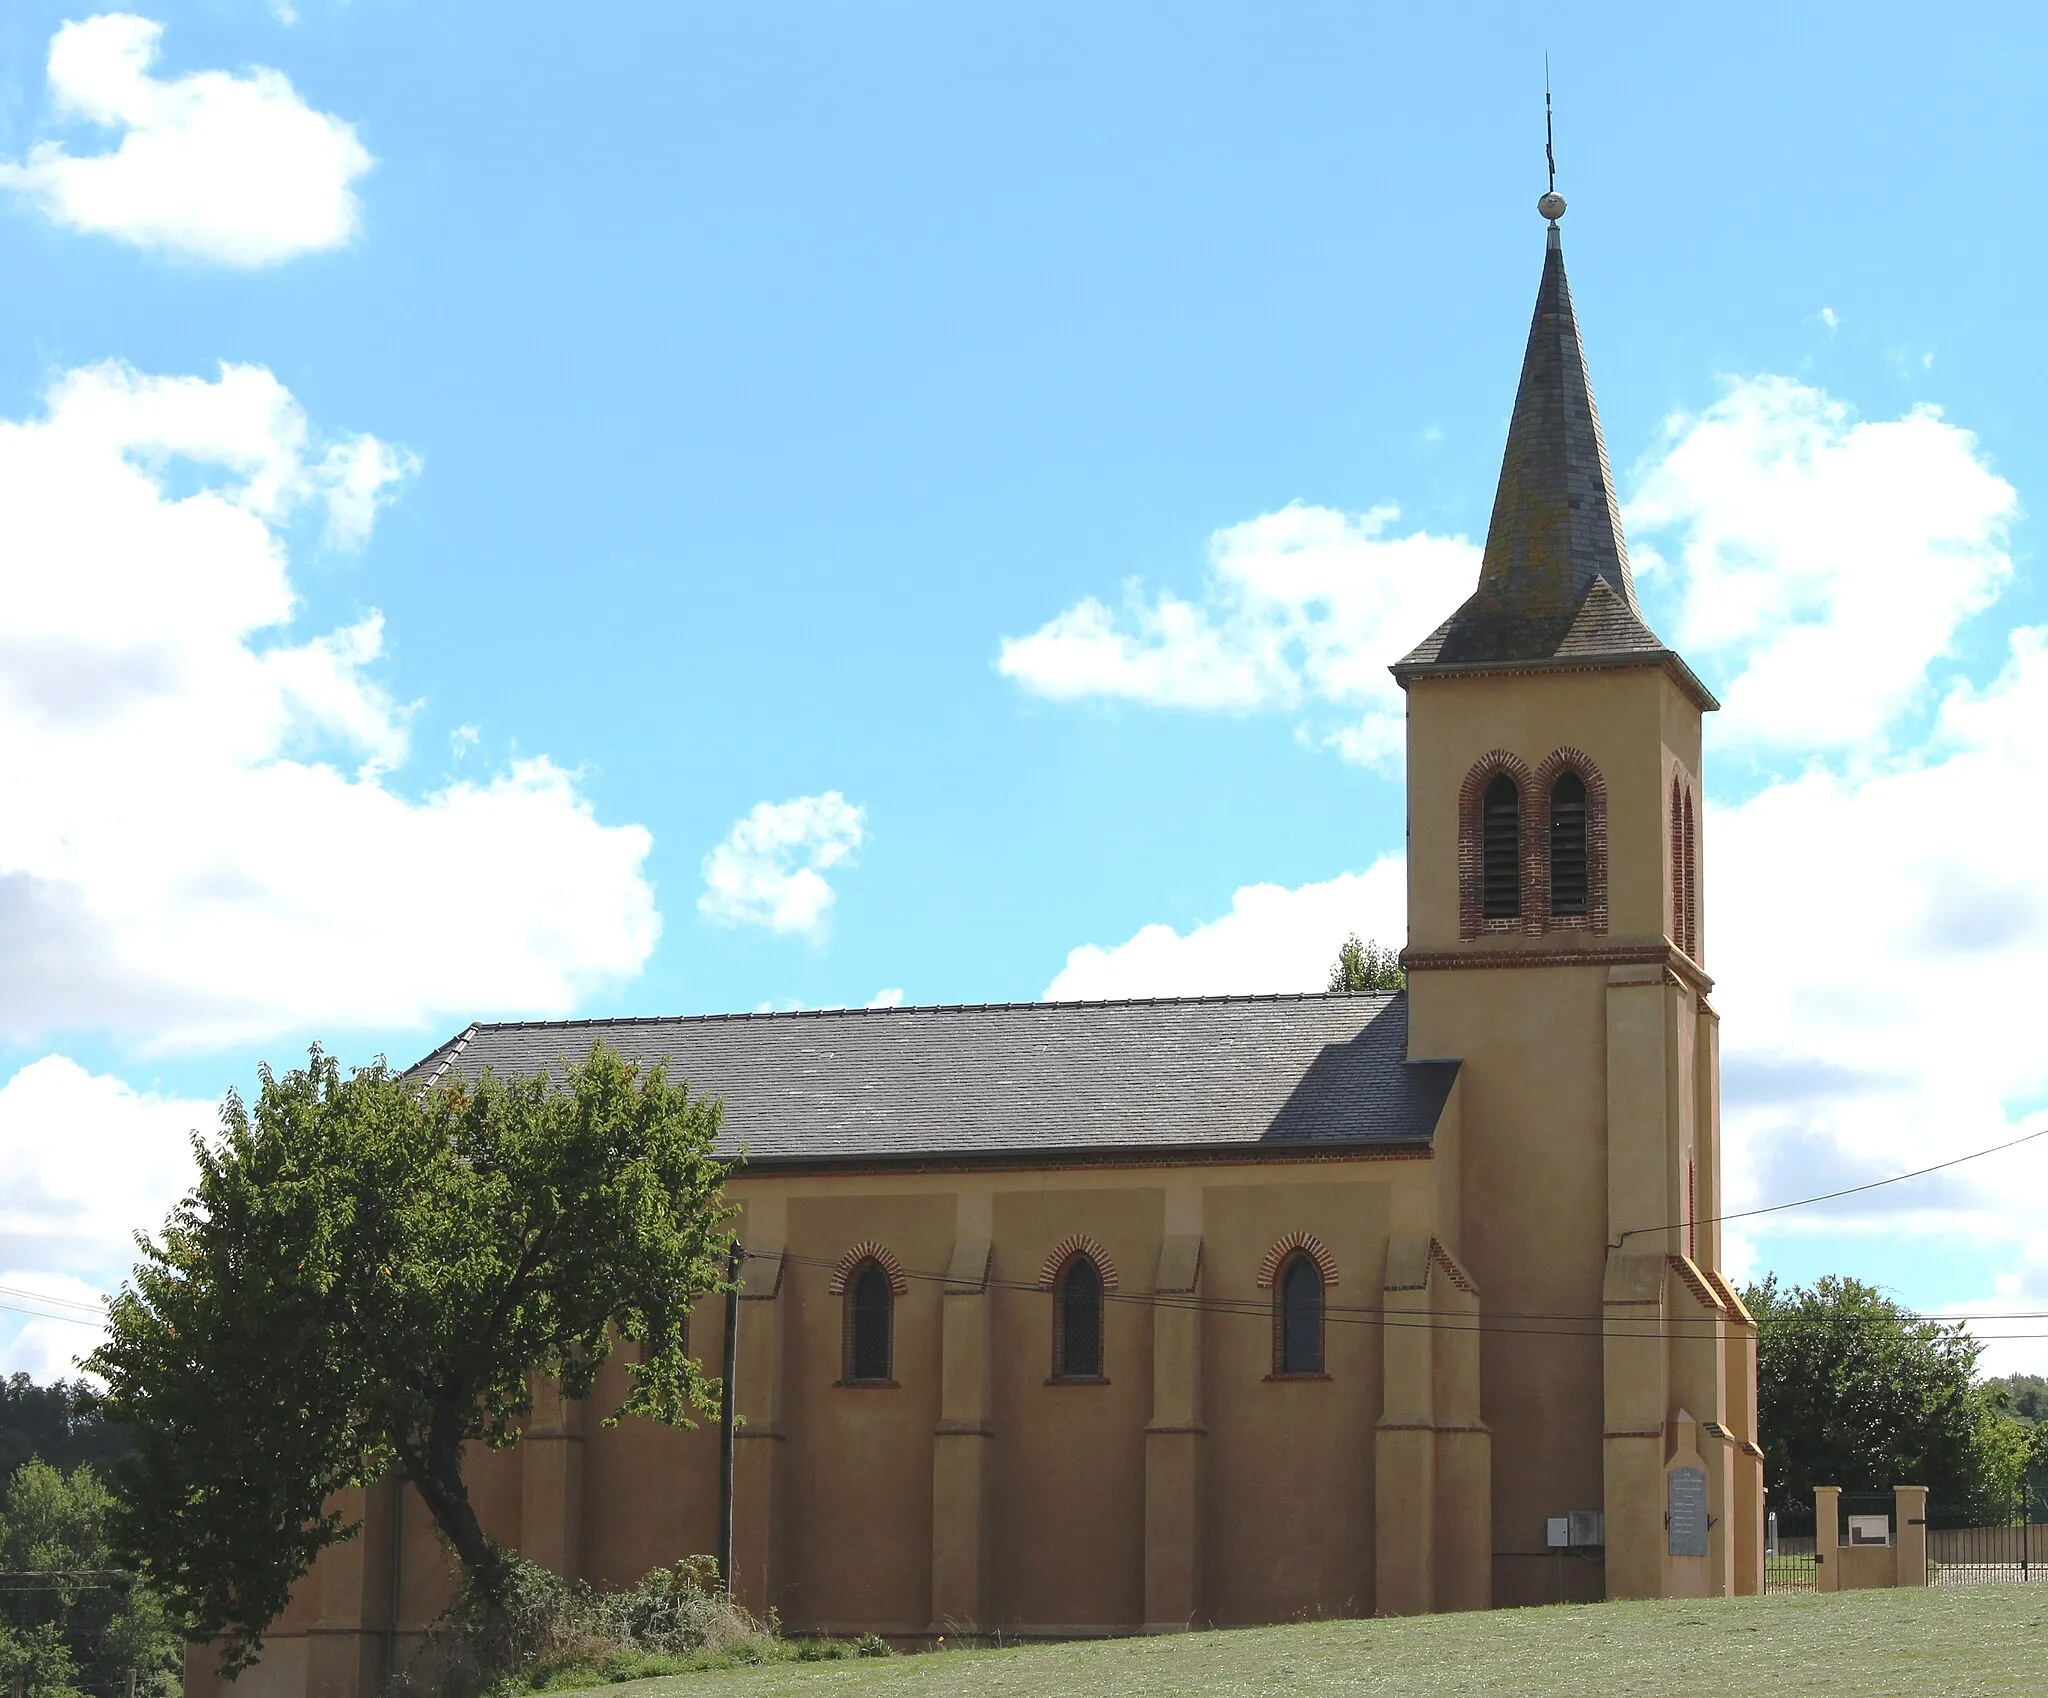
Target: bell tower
1555, 948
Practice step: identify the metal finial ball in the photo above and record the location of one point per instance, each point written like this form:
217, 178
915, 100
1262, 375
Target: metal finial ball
1551, 206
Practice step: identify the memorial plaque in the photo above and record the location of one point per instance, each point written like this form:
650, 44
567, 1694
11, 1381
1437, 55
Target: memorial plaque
1688, 1512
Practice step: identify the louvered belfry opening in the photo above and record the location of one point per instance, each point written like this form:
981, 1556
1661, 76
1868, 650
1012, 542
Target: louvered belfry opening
1568, 845
1301, 1319
1077, 1348
1677, 866
1691, 943
869, 1304
1500, 850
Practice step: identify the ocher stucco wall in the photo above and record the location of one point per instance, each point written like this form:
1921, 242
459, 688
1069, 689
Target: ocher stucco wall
1289, 1478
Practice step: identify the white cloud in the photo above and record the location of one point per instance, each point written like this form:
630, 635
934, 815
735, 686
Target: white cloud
1273, 939
205, 847
890, 998
235, 170
1826, 561
1905, 1031
1304, 608
85, 1163
770, 869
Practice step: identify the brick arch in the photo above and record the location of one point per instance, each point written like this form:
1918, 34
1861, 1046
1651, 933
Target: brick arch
867, 1250
1472, 921
1685, 867
1077, 1244
1555, 765
1307, 1244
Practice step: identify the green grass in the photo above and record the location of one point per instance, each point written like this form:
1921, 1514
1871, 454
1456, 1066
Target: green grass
1967, 1643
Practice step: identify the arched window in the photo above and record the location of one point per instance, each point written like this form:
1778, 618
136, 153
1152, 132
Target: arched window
869, 1323
1077, 1321
1692, 883
1500, 850
1568, 845
1677, 864
1298, 1317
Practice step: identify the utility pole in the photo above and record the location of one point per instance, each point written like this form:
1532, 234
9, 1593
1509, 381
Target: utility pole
726, 1416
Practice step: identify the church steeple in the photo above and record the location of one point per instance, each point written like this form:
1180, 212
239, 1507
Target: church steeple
1554, 583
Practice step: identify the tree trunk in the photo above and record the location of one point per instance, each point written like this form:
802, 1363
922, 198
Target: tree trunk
435, 1469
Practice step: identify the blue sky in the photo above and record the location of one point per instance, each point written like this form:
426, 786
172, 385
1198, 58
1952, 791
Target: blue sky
991, 454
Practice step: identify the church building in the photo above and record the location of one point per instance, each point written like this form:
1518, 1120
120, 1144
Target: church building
1066, 1319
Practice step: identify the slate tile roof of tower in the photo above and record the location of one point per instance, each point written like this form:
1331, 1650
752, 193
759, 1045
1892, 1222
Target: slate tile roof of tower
1015, 1082
1554, 583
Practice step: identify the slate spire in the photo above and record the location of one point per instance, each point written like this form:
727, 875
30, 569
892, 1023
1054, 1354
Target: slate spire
1556, 526
1554, 582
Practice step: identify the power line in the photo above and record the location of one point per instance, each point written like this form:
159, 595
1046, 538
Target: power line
45, 1315
97, 1306
1847, 1190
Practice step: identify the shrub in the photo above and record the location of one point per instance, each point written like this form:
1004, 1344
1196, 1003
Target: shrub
523, 1626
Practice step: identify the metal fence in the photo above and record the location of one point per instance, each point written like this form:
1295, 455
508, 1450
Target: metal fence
1963, 1551
1788, 1548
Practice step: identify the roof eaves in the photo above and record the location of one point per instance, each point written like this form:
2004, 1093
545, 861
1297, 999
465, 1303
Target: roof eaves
1669, 660
770, 1014
1092, 1155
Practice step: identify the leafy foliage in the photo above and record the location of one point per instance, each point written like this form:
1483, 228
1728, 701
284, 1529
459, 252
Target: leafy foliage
58, 1422
1364, 966
1855, 1391
69, 1618
367, 1275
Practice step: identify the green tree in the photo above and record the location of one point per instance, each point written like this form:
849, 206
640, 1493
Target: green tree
69, 1616
1364, 966
369, 1275
37, 1662
1855, 1391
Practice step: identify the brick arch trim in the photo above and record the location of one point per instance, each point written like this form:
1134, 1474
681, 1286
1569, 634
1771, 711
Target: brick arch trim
1284, 1250
1472, 921
1077, 1244
867, 1250
1555, 765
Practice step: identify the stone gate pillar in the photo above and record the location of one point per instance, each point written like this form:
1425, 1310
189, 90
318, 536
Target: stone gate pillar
1827, 1538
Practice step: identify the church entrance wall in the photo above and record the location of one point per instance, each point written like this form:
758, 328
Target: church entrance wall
1533, 1126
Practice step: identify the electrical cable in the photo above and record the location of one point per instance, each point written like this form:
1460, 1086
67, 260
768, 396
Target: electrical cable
1846, 1191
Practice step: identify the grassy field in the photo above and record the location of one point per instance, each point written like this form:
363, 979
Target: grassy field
1969, 1643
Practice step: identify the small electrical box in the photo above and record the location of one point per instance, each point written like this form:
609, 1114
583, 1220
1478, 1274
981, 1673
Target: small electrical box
1582, 1530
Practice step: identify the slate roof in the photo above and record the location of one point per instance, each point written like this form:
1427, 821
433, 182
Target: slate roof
1554, 583
1018, 1081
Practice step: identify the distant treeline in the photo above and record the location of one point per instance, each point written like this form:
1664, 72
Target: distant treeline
56, 1422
